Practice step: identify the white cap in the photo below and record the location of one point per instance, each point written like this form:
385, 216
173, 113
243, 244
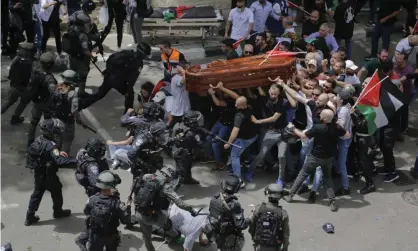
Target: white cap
159, 96
350, 65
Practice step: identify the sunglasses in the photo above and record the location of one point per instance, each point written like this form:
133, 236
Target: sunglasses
316, 94
248, 52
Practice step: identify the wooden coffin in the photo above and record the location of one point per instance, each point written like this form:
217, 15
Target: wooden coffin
239, 73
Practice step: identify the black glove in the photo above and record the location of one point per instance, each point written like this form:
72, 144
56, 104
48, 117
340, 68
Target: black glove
194, 213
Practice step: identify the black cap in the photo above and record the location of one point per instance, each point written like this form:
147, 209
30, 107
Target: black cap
329, 228
228, 42
47, 57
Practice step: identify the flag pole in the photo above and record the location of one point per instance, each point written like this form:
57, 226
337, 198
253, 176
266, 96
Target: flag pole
271, 52
300, 8
355, 104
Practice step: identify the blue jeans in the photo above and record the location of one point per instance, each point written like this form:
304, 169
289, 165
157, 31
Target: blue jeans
215, 148
120, 153
381, 30
348, 46
38, 33
237, 152
343, 145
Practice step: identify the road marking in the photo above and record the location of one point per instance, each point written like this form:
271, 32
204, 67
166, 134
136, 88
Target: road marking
5, 206
362, 45
96, 124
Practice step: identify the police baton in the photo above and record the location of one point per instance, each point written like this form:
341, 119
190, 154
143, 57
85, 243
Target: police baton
97, 67
164, 242
199, 213
132, 191
226, 142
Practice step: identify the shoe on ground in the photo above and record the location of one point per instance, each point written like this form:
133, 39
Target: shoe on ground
312, 197
243, 184
31, 218
369, 188
303, 189
333, 205
249, 176
61, 214
288, 198
391, 177
16, 120
370, 24
413, 173
343, 191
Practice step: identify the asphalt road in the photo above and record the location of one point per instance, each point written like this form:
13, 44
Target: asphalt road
379, 221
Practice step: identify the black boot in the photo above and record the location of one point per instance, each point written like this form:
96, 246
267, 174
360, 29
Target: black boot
188, 179
62, 213
369, 188
31, 218
16, 120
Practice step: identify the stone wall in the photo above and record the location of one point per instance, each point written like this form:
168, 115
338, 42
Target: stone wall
223, 5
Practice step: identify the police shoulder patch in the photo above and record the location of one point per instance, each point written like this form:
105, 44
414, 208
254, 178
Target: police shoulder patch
95, 170
56, 152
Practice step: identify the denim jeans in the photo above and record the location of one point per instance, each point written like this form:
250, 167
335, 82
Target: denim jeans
309, 167
120, 153
348, 46
381, 30
237, 152
39, 34
343, 145
270, 139
306, 151
214, 146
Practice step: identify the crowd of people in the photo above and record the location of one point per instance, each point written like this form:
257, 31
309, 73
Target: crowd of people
305, 129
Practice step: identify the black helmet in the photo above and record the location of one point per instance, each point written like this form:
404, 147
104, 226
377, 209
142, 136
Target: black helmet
144, 48
50, 127
193, 118
107, 180
288, 135
274, 191
26, 49
347, 92
88, 5
157, 128
152, 110
95, 148
47, 59
231, 184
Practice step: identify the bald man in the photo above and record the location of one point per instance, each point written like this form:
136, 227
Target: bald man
243, 134
248, 50
329, 38
326, 136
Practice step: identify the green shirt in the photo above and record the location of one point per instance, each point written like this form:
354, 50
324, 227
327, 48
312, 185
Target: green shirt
233, 54
372, 66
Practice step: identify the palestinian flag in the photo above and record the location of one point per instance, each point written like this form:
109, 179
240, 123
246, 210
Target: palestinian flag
379, 101
239, 47
415, 31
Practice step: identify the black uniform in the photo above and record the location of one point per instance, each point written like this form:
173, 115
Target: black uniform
269, 227
44, 158
122, 71
226, 222
117, 11
105, 213
41, 87
19, 76
21, 20
88, 169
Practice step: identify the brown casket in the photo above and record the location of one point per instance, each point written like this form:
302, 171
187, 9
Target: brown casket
239, 73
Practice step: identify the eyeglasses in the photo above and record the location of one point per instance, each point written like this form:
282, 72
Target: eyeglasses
248, 52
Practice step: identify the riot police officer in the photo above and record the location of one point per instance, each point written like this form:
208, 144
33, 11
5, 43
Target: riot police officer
105, 212
157, 135
44, 158
226, 219
42, 86
122, 70
19, 76
186, 142
154, 193
91, 163
78, 46
64, 106
269, 224
152, 112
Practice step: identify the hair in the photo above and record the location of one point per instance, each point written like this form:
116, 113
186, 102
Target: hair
342, 49
166, 43
263, 35
316, 82
315, 11
386, 67
383, 50
332, 82
325, 25
342, 63
319, 88
148, 86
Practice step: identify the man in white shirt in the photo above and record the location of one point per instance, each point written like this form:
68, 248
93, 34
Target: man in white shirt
262, 9
180, 102
350, 73
242, 20
50, 16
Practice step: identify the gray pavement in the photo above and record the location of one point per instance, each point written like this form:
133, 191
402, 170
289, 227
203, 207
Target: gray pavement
378, 221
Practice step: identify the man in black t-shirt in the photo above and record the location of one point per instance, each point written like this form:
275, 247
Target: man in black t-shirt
274, 110
386, 18
326, 136
243, 134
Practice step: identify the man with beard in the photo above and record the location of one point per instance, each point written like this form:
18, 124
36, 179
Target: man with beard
312, 25
376, 63
261, 45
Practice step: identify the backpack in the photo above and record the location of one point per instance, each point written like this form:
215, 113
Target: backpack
71, 43
147, 195
125, 60
101, 216
268, 228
